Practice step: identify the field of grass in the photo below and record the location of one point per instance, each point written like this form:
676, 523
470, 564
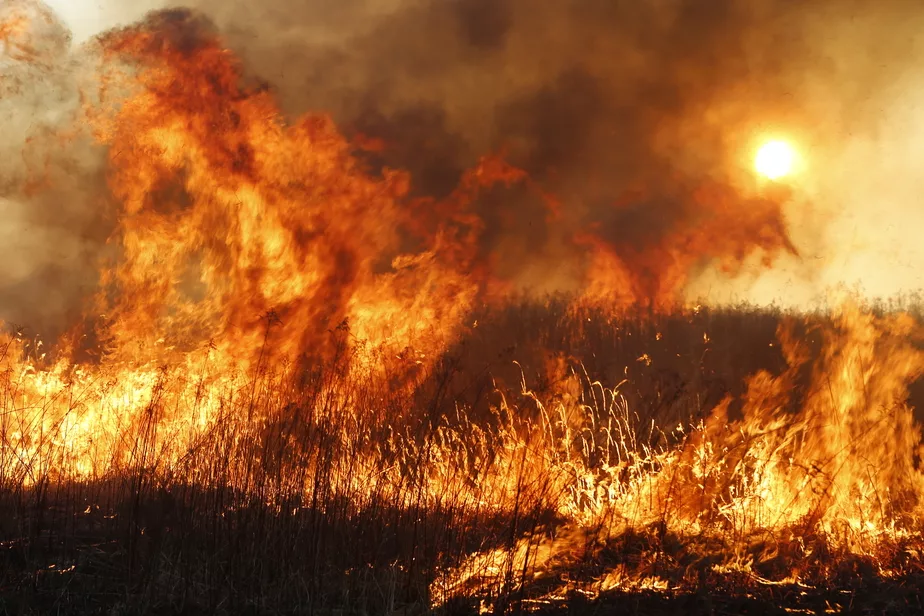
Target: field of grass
556, 459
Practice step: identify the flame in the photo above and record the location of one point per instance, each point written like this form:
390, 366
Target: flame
306, 231
266, 289
839, 461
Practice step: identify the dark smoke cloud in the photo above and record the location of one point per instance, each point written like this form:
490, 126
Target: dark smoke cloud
592, 97
597, 99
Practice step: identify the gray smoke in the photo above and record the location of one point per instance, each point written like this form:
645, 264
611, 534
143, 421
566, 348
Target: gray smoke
52, 184
597, 99
596, 96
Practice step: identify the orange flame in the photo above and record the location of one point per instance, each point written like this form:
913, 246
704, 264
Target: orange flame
250, 250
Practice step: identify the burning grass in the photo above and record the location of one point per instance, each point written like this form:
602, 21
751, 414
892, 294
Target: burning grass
556, 457
301, 387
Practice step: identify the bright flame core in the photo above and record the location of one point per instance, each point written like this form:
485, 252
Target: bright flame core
775, 159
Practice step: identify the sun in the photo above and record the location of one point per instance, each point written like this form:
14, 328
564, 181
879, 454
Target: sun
775, 159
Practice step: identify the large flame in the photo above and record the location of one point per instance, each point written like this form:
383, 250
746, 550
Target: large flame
264, 287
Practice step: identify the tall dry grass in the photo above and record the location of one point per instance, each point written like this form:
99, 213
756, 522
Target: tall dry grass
510, 472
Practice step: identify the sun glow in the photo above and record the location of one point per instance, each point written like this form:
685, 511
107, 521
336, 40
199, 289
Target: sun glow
775, 159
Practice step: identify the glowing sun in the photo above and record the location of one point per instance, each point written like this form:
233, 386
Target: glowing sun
775, 159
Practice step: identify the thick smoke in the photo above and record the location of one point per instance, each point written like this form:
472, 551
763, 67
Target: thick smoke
52, 190
597, 97
622, 109
601, 102
87, 18
856, 211
592, 96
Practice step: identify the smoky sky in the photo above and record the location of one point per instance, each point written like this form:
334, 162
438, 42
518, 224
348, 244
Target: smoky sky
572, 90
596, 99
620, 108
593, 98
55, 213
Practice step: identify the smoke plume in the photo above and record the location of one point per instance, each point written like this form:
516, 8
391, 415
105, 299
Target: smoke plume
52, 179
635, 123
594, 96
622, 110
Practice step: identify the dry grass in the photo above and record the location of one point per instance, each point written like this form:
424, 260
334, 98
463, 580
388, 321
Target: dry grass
335, 489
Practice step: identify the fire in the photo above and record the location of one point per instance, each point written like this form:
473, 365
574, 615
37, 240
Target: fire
775, 159
840, 460
277, 323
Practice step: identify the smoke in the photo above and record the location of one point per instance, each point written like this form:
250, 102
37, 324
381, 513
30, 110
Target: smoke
599, 98
51, 182
640, 118
593, 99
856, 207
87, 18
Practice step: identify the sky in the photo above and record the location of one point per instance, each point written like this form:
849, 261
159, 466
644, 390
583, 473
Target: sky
88, 17
856, 208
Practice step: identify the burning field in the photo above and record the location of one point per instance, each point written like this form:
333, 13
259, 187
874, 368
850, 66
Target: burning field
462, 306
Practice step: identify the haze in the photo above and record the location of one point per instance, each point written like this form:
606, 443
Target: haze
836, 79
